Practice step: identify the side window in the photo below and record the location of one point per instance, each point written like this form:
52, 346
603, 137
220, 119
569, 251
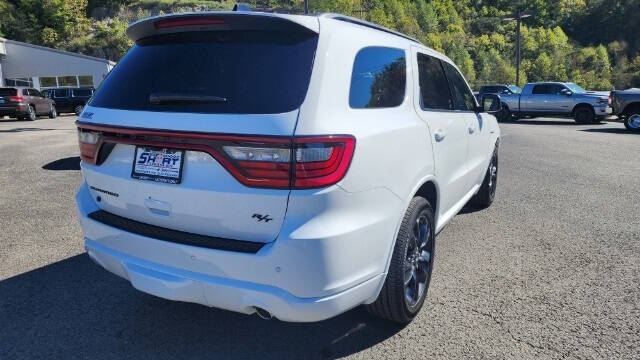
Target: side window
35, 92
540, 90
434, 89
462, 97
556, 89
379, 78
60, 93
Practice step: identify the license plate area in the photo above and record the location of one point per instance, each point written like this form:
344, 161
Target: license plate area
157, 164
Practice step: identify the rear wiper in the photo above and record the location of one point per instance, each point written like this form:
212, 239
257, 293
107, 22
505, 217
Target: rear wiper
164, 98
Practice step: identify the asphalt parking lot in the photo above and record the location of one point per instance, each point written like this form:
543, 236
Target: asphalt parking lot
551, 270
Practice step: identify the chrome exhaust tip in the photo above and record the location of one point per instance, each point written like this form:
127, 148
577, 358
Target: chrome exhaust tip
262, 313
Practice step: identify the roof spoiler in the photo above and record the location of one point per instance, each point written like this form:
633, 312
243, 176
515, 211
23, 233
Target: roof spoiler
220, 21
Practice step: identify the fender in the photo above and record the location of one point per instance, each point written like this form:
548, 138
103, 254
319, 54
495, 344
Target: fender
407, 201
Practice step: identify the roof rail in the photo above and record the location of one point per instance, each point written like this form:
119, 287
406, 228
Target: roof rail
357, 21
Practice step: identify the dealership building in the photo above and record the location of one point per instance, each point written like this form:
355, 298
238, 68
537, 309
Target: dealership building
23, 64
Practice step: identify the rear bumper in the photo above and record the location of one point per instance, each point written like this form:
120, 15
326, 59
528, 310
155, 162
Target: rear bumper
16, 110
239, 296
312, 272
603, 111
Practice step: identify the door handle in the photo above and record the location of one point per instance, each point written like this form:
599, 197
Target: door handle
471, 129
439, 135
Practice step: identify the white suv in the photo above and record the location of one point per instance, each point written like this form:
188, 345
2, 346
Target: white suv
290, 166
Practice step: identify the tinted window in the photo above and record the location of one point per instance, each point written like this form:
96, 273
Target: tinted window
379, 78
434, 88
60, 93
540, 90
491, 89
257, 72
82, 92
8, 92
34, 92
463, 98
556, 89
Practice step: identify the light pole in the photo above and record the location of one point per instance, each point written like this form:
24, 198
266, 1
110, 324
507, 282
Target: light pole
517, 16
306, 6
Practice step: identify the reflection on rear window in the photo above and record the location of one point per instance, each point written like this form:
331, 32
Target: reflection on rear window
8, 92
257, 72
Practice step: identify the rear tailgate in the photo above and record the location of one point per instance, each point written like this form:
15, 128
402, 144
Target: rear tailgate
210, 94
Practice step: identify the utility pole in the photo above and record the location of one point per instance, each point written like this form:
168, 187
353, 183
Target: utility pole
306, 7
517, 16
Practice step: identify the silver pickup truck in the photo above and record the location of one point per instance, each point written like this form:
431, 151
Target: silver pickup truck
556, 99
626, 105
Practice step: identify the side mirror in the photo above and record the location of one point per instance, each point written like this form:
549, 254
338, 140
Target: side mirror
566, 92
491, 103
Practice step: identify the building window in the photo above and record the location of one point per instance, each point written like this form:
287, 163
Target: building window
68, 81
85, 80
27, 82
48, 82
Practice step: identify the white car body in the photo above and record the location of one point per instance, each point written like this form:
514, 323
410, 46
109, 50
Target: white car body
327, 249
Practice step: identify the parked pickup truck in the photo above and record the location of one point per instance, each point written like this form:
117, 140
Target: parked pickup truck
556, 99
626, 105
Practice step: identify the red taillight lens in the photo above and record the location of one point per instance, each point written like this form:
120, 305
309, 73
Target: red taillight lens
610, 100
317, 162
188, 21
321, 161
89, 142
17, 99
256, 161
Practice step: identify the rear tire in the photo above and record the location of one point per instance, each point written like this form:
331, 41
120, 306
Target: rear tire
407, 282
584, 115
53, 113
487, 193
632, 122
504, 114
31, 113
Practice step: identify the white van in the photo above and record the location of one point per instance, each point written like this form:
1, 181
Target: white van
290, 166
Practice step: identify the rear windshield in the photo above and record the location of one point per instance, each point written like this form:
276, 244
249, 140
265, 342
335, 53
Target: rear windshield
8, 92
241, 72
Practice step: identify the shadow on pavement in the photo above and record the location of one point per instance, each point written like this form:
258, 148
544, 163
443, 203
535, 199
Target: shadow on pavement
70, 163
16, 130
612, 131
567, 122
75, 309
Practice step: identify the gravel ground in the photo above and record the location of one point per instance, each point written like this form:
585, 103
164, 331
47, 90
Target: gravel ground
551, 270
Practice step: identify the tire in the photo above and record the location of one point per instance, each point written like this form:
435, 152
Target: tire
401, 300
504, 114
487, 193
53, 113
78, 109
632, 122
584, 115
31, 113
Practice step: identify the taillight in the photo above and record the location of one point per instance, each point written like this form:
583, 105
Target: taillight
188, 21
308, 162
257, 161
610, 100
17, 99
321, 161
89, 143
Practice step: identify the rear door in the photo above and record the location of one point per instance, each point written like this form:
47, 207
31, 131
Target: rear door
448, 128
203, 93
61, 98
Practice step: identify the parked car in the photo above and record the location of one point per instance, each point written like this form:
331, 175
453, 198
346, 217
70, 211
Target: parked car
626, 105
25, 103
70, 100
556, 99
262, 175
